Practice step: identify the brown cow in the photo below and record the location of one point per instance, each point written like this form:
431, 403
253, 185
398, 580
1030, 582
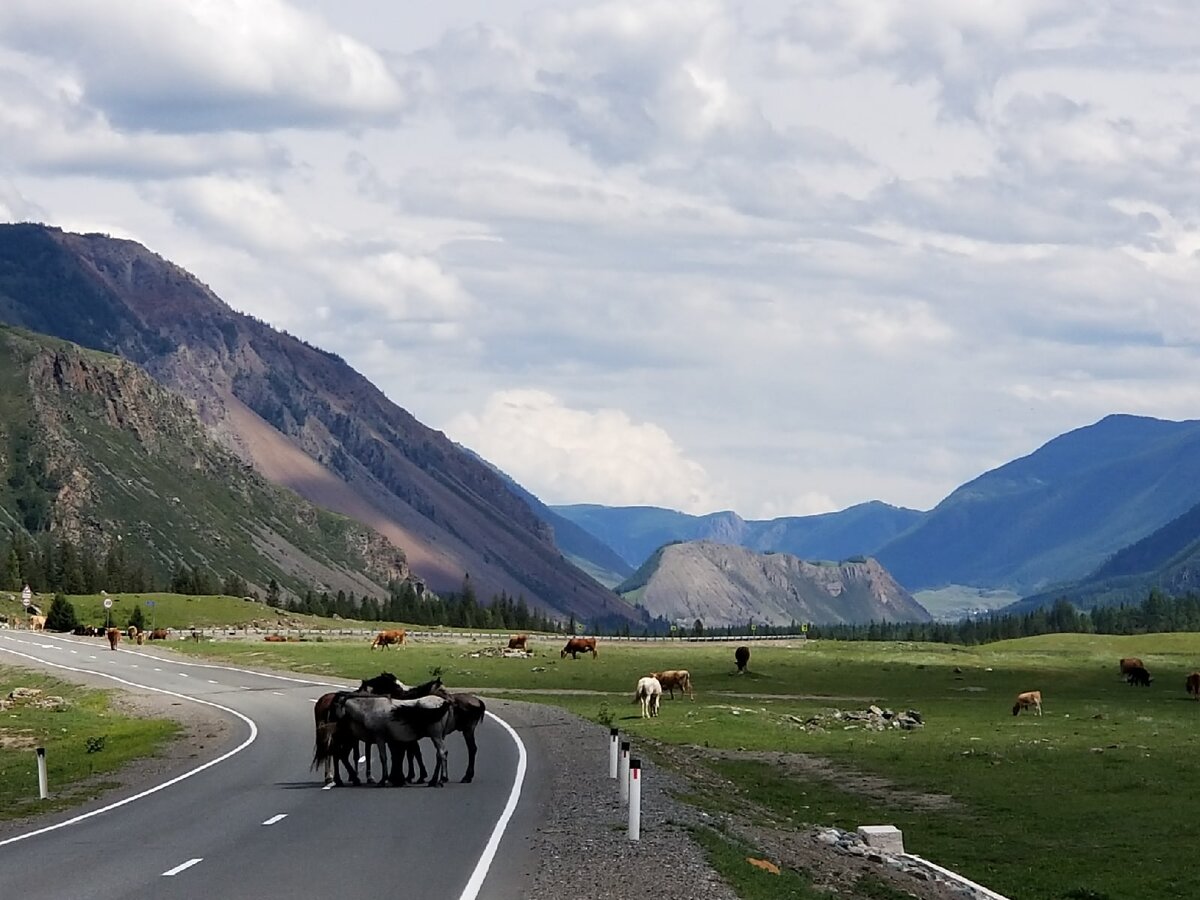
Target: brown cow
1028, 700
1128, 664
114, 637
518, 641
1193, 685
675, 678
275, 638
132, 631
741, 656
578, 645
160, 634
385, 639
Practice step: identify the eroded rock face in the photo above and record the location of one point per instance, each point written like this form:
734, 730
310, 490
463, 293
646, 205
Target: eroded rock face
722, 584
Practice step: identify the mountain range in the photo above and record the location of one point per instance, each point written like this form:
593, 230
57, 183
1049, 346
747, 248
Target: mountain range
119, 348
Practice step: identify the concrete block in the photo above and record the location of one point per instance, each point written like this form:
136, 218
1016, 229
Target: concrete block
884, 838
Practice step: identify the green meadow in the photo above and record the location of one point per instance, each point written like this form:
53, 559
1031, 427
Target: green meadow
86, 741
1090, 801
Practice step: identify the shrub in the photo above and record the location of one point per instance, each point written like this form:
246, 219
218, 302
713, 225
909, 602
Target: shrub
62, 615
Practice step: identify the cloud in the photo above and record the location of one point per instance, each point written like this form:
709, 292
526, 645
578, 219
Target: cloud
248, 65
576, 455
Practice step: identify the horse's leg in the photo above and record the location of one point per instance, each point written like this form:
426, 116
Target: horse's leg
469, 737
440, 776
413, 752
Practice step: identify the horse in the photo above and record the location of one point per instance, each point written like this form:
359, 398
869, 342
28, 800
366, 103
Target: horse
466, 712
336, 748
649, 692
381, 721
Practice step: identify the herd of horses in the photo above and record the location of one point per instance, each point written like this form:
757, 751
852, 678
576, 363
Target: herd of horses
388, 716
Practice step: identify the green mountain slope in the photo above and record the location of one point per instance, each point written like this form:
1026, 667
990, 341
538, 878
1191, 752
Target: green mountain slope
92, 448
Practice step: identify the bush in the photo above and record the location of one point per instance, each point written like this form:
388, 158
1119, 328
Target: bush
137, 618
62, 615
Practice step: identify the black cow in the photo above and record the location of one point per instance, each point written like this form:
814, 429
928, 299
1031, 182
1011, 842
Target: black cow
1139, 675
741, 656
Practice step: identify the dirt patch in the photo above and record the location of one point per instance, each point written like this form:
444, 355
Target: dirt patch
10, 741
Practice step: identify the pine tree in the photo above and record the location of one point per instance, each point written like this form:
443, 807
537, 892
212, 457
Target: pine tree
62, 615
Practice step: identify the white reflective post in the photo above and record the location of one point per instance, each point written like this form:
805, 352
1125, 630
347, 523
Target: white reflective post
43, 785
613, 752
623, 774
635, 799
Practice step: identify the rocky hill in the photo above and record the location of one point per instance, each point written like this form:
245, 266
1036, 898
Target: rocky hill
301, 416
721, 584
93, 449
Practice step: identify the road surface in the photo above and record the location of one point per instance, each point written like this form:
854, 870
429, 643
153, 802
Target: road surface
255, 822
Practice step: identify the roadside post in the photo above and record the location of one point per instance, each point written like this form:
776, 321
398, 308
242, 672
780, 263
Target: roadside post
623, 774
635, 799
43, 783
108, 612
613, 751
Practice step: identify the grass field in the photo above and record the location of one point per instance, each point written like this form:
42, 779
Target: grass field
1090, 801
84, 741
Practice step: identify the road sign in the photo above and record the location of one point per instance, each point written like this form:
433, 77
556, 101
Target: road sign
149, 602
108, 602
26, 595
753, 626
25, 601
804, 628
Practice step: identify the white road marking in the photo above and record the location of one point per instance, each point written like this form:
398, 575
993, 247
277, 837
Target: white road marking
133, 665
91, 657
157, 669
274, 819
210, 681
471, 891
179, 868
277, 694
183, 674
158, 787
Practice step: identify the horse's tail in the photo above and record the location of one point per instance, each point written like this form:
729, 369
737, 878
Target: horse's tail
324, 743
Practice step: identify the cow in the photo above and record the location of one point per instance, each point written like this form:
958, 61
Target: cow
518, 642
741, 656
133, 632
274, 638
1193, 685
675, 678
114, 637
160, 634
1140, 676
577, 645
1028, 700
385, 639
37, 623
649, 693
1128, 664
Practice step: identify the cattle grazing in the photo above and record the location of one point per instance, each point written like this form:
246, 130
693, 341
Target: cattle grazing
1128, 664
114, 637
518, 642
160, 634
37, 623
1193, 685
141, 638
466, 712
649, 694
741, 656
132, 631
1140, 676
89, 631
578, 645
274, 638
1028, 700
675, 678
385, 639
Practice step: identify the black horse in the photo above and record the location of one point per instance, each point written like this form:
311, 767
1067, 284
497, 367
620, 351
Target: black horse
466, 711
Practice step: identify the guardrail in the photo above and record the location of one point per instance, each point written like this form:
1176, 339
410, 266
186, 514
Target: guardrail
474, 635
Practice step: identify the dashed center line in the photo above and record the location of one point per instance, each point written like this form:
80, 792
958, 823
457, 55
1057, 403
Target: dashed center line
277, 694
274, 819
179, 868
182, 674
210, 681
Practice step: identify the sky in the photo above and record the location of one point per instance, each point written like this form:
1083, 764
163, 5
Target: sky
773, 257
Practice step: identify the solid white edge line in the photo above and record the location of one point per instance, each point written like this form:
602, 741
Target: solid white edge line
471, 891
179, 868
146, 793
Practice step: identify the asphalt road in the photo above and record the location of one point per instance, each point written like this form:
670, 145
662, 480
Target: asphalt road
255, 822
